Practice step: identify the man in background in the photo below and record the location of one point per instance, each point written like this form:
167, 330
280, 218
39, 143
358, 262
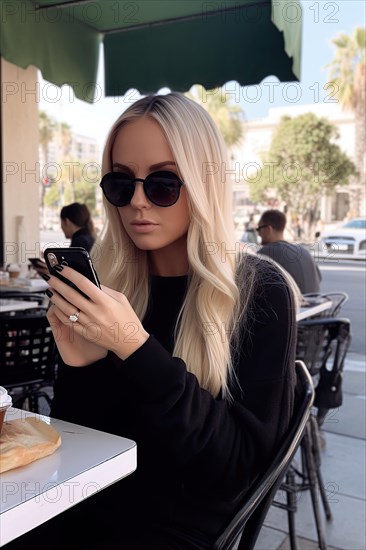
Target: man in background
293, 257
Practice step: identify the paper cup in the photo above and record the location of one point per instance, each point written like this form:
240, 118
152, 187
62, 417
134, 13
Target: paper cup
14, 271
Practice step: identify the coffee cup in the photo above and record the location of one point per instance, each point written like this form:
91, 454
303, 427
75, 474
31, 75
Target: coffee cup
14, 270
5, 403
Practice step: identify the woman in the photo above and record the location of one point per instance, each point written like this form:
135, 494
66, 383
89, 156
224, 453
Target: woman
77, 225
192, 346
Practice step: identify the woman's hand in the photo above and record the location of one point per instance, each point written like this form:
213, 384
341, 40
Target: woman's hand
74, 349
105, 322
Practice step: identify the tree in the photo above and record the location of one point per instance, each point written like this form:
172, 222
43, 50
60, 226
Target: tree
73, 185
229, 118
348, 72
46, 130
302, 164
65, 139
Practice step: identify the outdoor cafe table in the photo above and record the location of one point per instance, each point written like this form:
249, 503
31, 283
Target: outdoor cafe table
7, 305
23, 285
314, 309
86, 462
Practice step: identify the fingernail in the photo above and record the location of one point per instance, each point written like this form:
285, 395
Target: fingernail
59, 267
45, 277
49, 293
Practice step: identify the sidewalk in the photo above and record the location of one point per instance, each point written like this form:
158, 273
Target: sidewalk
343, 468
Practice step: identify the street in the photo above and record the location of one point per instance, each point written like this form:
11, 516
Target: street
348, 276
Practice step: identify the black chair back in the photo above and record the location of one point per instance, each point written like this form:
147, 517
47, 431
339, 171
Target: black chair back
322, 341
246, 524
323, 344
338, 299
27, 355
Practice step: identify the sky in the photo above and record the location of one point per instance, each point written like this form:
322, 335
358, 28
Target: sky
322, 21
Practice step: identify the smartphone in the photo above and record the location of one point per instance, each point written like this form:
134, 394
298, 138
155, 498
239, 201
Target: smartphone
37, 262
77, 258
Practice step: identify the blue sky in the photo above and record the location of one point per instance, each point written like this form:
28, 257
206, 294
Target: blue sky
322, 21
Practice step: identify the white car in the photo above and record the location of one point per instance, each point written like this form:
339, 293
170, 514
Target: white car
346, 241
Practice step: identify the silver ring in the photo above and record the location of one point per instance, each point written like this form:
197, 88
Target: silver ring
73, 318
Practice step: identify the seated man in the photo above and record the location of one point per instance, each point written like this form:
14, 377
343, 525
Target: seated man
293, 257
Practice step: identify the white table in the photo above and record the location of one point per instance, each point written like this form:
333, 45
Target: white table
310, 311
22, 284
86, 462
7, 304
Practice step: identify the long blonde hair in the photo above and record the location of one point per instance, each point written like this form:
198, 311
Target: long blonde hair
210, 311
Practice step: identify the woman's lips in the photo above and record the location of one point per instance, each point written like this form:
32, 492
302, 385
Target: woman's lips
144, 227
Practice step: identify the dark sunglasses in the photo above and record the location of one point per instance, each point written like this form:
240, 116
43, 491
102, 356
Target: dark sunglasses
161, 188
261, 227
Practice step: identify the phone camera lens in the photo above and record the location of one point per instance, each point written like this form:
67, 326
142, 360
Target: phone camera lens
52, 259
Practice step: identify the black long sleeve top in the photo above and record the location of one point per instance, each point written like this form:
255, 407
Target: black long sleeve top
196, 453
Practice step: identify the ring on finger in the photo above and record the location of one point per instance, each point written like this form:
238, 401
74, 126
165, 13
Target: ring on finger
75, 316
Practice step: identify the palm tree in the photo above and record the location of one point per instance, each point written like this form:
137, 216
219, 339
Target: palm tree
229, 118
65, 139
46, 130
348, 72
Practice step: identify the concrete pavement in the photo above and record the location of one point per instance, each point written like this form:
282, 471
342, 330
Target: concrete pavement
343, 467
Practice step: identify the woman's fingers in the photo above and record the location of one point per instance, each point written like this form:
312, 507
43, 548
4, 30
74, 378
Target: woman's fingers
65, 306
62, 316
80, 282
107, 318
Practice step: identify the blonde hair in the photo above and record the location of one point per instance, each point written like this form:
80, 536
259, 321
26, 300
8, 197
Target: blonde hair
210, 312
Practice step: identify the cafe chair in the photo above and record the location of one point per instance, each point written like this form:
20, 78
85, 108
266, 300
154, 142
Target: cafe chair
244, 527
338, 299
322, 345
28, 363
305, 477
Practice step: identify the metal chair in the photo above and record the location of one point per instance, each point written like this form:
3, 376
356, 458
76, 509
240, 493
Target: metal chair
247, 522
338, 299
306, 477
322, 345
27, 357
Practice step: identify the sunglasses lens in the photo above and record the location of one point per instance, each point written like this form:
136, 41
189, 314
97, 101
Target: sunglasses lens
118, 188
162, 188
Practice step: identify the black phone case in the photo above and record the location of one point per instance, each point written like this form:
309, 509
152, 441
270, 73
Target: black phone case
77, 258
36, 261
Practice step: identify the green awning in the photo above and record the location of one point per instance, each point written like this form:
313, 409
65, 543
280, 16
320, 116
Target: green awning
149, 44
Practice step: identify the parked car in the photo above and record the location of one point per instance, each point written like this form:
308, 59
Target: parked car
346, 241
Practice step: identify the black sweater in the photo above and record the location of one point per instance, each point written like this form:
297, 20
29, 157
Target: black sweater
82, 238
196, 454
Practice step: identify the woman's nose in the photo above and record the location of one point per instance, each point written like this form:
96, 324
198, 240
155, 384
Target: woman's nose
139, 199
